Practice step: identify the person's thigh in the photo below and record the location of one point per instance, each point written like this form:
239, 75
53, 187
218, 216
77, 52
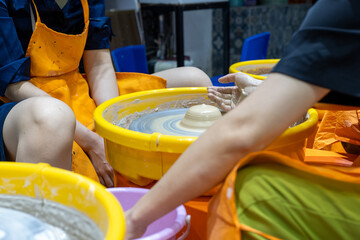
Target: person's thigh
292, 204
184, 77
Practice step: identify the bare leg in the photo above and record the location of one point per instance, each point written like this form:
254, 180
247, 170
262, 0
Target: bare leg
185, 77
40, 129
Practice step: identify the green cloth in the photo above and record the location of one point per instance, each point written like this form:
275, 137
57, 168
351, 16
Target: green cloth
292, 204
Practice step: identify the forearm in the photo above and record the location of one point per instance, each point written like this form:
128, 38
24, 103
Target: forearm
100, 75
196, 171
22, 90
251, 126
93, 146
202, 166
85, 137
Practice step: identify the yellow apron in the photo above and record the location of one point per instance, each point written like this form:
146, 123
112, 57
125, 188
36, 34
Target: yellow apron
55, 59
223, 222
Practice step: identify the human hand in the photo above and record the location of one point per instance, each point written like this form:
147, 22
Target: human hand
225, 97
101, 165
133, 230
228, 97
93, 146
96, 153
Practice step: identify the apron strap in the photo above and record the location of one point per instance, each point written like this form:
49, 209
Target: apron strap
84, 4
85, 10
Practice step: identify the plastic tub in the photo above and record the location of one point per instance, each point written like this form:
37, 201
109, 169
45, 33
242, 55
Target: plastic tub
166, 227
252, 65
67, 188
143, 158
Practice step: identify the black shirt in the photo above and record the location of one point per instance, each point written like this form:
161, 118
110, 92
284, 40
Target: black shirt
325, 51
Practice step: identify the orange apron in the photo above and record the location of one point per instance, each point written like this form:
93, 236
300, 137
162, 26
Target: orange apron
223, 222
55, 59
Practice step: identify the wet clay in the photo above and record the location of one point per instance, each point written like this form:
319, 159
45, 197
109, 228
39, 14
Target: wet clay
200, 116
256, 71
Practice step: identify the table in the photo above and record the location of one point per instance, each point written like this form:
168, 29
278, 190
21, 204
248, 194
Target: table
179, 6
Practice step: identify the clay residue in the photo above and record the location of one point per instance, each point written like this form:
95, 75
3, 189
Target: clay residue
257, 71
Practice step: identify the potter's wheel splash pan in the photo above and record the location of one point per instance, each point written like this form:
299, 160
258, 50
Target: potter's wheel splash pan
143, 157
110, 115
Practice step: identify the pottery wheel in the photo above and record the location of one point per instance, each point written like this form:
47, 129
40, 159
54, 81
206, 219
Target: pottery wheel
178, 122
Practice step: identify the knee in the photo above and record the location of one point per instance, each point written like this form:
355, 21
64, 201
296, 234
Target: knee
51, 115
197, 78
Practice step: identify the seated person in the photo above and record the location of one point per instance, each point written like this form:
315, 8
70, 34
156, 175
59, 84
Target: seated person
42, 44
266, 195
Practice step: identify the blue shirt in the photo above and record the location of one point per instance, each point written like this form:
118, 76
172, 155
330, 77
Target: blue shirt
16, 31
325, 51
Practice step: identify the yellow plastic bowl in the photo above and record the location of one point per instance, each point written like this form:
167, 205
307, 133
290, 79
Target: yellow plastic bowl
251, 65
67, 188
143, 157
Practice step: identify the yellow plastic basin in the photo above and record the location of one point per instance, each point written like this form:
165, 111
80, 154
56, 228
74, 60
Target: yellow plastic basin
253, 65
67, 188
143, 157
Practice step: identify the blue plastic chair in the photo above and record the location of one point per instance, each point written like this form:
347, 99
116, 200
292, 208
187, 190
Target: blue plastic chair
130, 59
254, 47
215, 82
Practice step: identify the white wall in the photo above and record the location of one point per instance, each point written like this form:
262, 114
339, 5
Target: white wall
198, 37
197, 32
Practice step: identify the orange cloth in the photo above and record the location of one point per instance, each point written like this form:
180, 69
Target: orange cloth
337, 124
223, 222
198, 210
318, 157
55, 58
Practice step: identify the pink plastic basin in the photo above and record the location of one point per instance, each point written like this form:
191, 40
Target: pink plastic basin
165, 228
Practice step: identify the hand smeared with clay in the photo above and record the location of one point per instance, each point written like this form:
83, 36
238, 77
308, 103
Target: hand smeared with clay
228, 97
